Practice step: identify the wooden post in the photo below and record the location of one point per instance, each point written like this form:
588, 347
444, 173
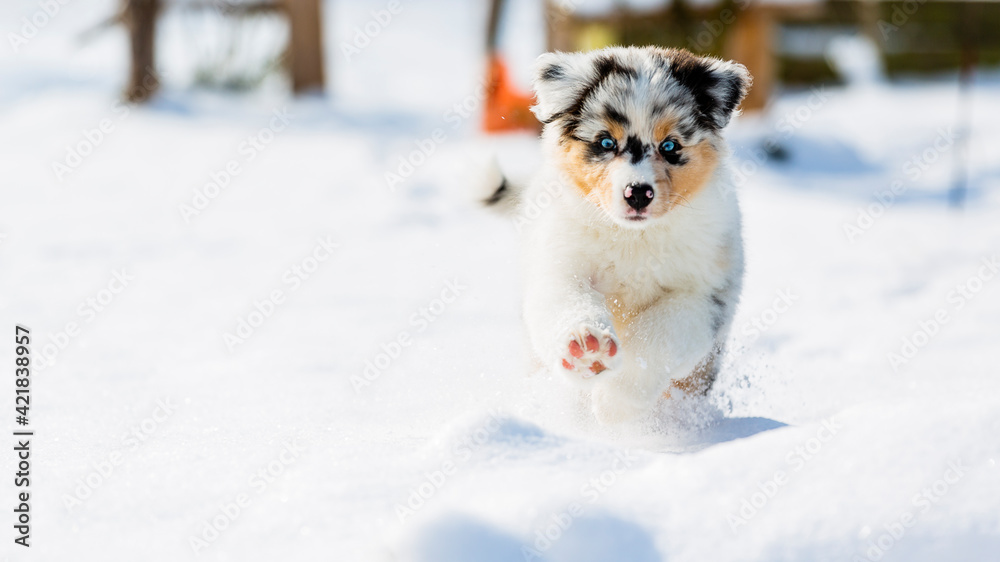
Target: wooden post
493, 25
305, 50
139, 17
751, 43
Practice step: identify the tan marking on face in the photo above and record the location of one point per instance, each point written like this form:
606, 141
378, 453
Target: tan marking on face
680, 183
616, 130
591, 178
663, 128
692, 176
686, 181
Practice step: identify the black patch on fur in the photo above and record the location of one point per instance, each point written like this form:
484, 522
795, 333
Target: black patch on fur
710, 367
694, 73
554, 72
717, 300
616, 116
716, 93
731, 95
675, 159
604, 67
498, 195
596, 152
719, 315
608, 65
636, 148
686, 131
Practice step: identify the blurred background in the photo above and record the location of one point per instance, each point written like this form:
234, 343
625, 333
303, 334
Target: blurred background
244, 209
239, 45
337, 51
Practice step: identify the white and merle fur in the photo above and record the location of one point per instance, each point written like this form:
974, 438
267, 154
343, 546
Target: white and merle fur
633, 253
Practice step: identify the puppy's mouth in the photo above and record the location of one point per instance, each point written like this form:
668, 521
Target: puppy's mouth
634, 215
632, 218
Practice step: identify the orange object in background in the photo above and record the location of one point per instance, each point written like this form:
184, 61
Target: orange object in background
506, 109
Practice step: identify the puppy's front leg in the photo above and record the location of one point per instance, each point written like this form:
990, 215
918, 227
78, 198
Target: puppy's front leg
570, 326
663, 343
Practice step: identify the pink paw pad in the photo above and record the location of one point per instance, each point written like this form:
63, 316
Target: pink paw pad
590, 352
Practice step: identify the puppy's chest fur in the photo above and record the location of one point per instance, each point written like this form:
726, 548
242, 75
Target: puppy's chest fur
635, 270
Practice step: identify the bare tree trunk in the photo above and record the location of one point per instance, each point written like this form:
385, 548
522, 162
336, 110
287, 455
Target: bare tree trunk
139, 17
306, 45
752, 43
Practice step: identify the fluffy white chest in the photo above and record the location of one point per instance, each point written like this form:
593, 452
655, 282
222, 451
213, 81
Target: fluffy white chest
636, 267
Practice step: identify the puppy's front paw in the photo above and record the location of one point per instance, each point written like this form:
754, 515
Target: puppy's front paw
590, 351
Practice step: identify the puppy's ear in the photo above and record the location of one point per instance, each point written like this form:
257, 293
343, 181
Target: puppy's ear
560, 78
718, 86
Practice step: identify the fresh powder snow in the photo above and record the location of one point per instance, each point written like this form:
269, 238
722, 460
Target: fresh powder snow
273, 328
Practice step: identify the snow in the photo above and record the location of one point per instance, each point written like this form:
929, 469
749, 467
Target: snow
811, 447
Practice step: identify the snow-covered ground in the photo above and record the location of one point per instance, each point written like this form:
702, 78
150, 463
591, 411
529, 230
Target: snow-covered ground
307, 364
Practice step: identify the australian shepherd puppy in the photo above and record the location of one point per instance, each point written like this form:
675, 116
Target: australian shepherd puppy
633, 251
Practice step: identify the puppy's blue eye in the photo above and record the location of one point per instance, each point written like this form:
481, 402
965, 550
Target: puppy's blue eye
608, 143
668, 146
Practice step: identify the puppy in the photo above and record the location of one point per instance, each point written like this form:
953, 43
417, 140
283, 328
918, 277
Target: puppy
633, 251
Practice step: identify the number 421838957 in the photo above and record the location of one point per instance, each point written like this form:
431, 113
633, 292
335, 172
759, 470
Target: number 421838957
22, 401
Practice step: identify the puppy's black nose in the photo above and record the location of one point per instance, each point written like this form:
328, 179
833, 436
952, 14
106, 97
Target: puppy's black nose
638, 195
